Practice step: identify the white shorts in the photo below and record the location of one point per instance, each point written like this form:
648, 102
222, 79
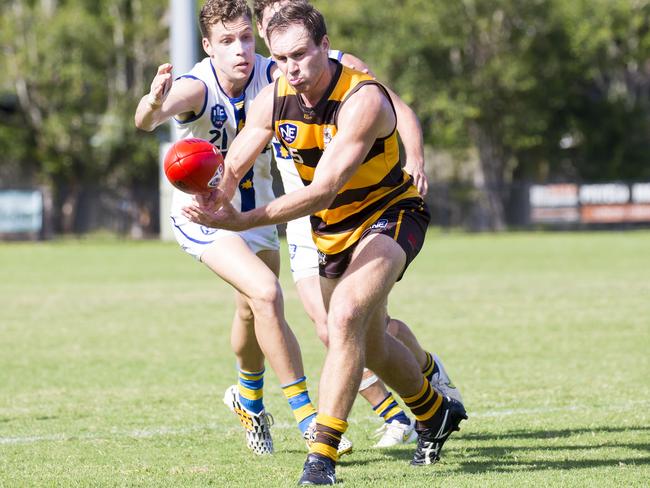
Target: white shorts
303, 256
194, 239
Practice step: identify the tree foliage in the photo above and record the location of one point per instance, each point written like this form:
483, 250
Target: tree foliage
542, 89
76, 68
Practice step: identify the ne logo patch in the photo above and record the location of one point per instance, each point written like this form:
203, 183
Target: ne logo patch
289, 132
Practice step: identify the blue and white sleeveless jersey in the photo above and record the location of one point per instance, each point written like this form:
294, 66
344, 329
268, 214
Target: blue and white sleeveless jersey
220, 119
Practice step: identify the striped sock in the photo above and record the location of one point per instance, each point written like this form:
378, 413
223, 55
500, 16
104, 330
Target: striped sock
389, 410
251, 390
328, 436
430, 368
425, 405
298, 397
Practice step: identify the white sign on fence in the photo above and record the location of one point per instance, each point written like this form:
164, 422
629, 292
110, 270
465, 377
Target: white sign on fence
21, 211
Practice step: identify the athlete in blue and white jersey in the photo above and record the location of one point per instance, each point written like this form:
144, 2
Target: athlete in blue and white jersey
210, 102
218, 121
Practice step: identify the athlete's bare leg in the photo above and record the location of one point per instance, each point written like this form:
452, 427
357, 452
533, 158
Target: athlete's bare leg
376, 392
312, 301
357, 325
404, 334
242, 337
235, 263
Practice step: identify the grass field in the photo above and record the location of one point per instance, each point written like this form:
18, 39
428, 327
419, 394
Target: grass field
114, 356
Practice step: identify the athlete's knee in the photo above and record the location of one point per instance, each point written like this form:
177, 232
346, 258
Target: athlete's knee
245, 313
344, 322
267, 299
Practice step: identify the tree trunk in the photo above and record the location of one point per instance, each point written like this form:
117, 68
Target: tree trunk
491, 182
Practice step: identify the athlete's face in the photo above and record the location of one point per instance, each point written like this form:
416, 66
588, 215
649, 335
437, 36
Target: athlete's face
301, 61
231, 46
267, 15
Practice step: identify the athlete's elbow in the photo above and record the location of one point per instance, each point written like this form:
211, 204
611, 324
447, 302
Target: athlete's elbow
140, 124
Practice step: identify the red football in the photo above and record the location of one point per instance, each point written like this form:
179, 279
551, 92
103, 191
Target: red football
194, 165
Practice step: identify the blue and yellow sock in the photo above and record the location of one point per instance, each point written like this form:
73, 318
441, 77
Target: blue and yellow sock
298, 397
328, 436
389, 410
251, 390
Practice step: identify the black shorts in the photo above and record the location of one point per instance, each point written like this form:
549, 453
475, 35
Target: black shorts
405, 222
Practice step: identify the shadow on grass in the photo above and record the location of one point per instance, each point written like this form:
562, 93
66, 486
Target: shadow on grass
548, 434
513, 458
512, 465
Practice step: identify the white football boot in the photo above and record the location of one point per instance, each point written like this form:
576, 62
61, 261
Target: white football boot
395, 433
256, 425
442, 383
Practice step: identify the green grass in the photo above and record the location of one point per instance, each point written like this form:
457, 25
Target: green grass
114, 356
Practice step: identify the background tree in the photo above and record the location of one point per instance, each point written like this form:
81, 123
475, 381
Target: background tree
77, 68
541, 88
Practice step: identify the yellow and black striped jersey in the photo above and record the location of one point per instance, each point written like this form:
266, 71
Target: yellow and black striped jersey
377, 184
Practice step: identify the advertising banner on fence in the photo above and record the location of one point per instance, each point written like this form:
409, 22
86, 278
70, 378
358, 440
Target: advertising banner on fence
603, 203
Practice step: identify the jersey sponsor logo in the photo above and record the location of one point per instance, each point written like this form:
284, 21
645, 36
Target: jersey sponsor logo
216, 179
322, 258
207, 231
218, 116
289, 132
292, 251
327, 135
381, 224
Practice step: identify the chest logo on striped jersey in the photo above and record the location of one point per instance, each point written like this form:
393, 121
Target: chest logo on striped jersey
289, 132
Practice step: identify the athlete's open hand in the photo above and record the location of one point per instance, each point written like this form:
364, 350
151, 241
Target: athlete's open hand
160, 85
203, 211
416, 170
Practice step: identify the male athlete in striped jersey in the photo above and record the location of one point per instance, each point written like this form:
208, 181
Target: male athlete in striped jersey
368, 221
397, 427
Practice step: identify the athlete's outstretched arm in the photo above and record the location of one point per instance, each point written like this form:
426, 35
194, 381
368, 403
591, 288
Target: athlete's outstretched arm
166, 98
364, 118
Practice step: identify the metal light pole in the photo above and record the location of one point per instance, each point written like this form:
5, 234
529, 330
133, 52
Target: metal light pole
183, 50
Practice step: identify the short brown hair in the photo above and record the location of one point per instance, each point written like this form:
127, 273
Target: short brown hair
300, 13
215, 11
260, 5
